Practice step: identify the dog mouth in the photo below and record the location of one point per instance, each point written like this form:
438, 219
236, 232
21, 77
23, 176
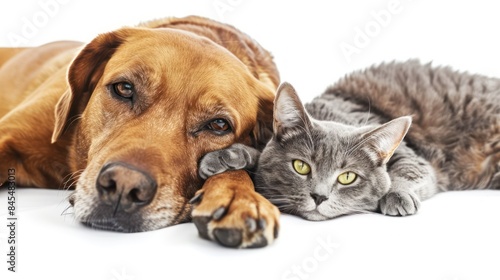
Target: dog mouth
108, 225
119, 223
122, 197
104, 217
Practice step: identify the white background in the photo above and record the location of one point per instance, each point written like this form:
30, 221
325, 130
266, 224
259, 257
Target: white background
454, 237
304, 36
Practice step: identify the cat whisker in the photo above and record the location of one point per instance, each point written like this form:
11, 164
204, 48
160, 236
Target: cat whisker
369, 111
357, 145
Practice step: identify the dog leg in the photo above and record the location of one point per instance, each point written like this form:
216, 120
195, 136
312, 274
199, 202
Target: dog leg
228, 210
25, 146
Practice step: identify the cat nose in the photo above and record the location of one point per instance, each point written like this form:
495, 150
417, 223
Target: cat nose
318, 198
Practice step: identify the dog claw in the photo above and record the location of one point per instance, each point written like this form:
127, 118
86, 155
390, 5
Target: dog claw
259, 243
201, 224
251, 224
228, 237
196, 198
262, 224
219, 213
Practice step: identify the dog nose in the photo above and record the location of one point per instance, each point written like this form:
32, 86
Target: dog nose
318, 199
125, 187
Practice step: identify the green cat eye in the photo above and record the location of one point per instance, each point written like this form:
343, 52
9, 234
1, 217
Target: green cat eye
301, 167
347, 178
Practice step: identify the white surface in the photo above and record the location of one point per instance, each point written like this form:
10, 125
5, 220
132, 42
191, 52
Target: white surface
454, 237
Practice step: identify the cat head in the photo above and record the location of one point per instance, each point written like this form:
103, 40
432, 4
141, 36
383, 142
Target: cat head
323, 169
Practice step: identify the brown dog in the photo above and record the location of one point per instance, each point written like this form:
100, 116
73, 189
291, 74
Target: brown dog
126, 118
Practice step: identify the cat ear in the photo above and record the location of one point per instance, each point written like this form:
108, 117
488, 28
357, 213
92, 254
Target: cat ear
290, 115
385, 139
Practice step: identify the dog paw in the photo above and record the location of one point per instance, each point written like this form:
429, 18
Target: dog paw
399, 203
229, 211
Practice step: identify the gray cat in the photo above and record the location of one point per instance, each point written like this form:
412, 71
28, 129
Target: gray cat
346, 154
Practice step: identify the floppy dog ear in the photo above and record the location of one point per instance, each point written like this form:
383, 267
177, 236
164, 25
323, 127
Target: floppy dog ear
263, 130
83, 75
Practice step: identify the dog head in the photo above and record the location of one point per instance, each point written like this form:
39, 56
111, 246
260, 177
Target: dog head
143, 106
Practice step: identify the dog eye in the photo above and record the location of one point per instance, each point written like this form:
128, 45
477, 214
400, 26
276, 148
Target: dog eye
123, 89
219, 126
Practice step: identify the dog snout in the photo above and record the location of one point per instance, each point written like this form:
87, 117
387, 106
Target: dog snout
125, 187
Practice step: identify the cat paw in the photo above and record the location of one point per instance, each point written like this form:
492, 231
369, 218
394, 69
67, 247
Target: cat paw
234, 215
233, 158
399, 203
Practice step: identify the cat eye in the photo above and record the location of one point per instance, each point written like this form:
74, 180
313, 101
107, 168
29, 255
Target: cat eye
123, 89
347, 178
301, 167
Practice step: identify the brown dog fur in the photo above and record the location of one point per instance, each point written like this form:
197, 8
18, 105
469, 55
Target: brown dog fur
185, 73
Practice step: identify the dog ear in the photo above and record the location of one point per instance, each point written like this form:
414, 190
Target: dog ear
83, 75
263, 130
